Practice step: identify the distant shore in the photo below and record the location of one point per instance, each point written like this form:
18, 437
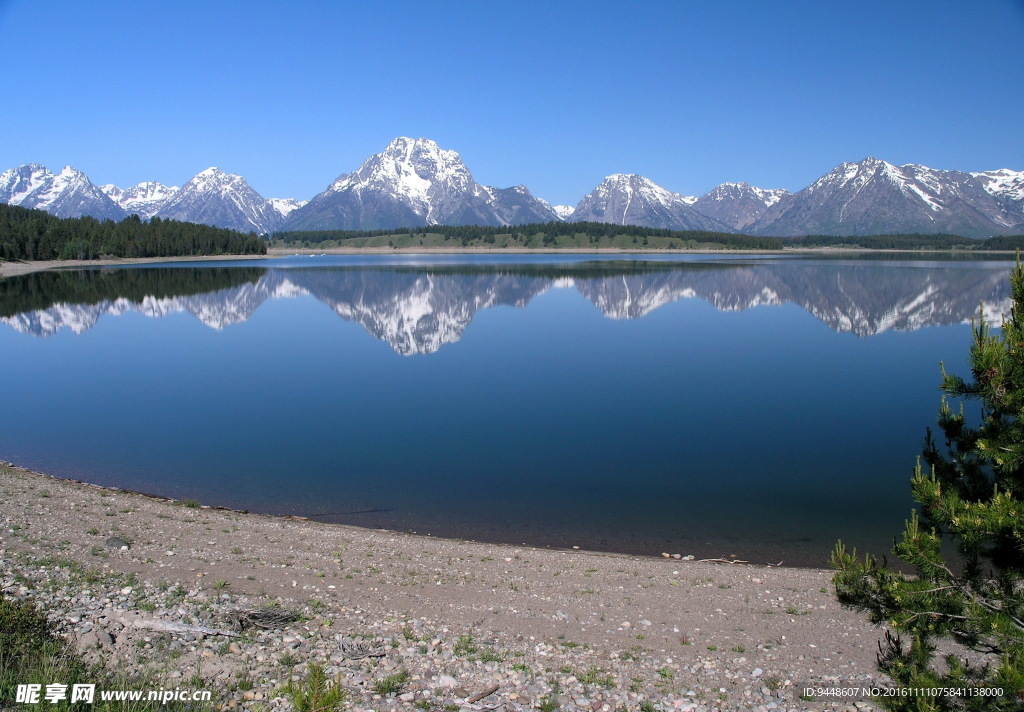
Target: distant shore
13, 269
675, 632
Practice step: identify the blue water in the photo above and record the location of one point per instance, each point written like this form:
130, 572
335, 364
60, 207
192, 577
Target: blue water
762, 407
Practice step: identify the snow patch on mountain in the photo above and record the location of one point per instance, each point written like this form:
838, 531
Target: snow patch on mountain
1003, 183
285, 206
144, 199
16, 184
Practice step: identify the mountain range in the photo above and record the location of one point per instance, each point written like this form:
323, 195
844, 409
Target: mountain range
416, 183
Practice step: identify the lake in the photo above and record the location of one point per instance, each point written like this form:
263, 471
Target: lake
755, 406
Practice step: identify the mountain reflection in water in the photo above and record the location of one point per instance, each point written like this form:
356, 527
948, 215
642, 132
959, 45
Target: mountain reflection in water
417, 310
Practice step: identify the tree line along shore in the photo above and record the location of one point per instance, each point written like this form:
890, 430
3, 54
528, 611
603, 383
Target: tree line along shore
35, 235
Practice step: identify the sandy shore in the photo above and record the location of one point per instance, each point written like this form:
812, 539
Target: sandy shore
597, 631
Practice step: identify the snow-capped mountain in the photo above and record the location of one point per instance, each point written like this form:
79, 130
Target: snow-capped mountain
214, 197
144, 199
517, 206
285, 206
630, 199
414, 183
564, 212
740, 205
68, 194
874, 197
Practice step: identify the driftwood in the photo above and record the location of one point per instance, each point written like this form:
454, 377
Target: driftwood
268, 618
368, 510
176, 627
480, 695
358, 651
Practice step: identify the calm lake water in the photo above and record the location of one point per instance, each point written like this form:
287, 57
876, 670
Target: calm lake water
707, 405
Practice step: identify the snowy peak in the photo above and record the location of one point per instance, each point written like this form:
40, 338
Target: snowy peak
150, 198
413, 168
144, 199
740, 205
744, 191
415, 183
417, 172
631, 199
68, 194
633, 188
214, 197
213, 179
516, 206
875, 196
16, 184
850, 174
918, 183
564, 212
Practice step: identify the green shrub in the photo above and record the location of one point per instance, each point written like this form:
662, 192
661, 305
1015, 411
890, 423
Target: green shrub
316, 693
973, 498
25, 634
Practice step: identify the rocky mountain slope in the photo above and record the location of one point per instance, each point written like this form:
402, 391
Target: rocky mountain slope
876, 197
740, 205
629, 199
214, 197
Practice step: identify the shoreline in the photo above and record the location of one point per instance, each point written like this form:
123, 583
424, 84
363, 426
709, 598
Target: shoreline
651, 553
659, 629
14, 269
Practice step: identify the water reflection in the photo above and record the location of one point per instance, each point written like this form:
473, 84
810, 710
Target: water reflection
416, 310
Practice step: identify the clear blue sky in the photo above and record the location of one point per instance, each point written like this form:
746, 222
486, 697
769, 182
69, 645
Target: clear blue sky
552, 94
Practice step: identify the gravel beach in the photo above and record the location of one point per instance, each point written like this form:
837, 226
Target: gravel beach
412, 622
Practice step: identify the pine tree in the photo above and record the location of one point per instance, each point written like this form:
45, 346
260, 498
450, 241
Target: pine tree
971, 496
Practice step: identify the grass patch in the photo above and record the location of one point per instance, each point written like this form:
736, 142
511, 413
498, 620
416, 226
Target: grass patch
596, 676
465, 646
549, 703
392, 684
33, 653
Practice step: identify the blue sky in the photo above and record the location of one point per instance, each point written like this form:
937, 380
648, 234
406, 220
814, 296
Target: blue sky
555, 95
